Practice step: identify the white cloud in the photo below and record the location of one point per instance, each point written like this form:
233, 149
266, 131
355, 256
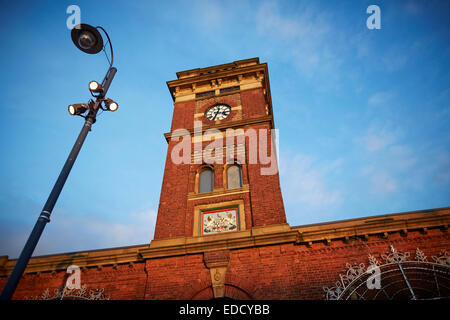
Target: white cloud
382, 182
374, 141
380, 98
210, 14
402, 158
139, 229
412, 7
300, 37
304, 183
438, 167
380, 135
400, 168
301, 26
71, 232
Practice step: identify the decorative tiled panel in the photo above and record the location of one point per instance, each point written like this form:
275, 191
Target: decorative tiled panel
219, 221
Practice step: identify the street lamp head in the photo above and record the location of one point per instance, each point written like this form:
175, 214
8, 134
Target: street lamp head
77, 109
111, 105
94, 86
87, 38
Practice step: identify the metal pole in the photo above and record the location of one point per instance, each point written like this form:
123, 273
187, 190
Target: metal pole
44, 218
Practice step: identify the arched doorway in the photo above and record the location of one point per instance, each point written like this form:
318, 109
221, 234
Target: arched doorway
231, 293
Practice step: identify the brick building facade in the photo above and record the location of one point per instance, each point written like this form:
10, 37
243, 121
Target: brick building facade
221, 230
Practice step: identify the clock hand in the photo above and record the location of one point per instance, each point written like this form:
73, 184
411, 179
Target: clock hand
216, 115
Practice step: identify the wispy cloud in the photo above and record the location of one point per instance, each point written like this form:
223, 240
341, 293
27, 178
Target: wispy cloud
380, 98
400, 168
412, 7
382, 183
304, 181
443, 173
303, 24
300, 37
212, 14
396, 57
69, 232
377, 139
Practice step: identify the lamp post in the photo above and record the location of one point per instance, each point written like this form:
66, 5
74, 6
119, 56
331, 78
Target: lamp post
88, 39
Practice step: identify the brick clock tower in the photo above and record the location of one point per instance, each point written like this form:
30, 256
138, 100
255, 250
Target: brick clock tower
223, 123
221, 229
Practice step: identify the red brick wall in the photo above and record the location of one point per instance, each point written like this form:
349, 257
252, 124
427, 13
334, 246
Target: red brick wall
265, 191
253, 103
123, 282
177, 277
170, 221
183, 115
264, 203
298, 272
286, 271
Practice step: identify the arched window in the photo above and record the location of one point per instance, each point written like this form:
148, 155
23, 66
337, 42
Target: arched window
205, 182
234, 179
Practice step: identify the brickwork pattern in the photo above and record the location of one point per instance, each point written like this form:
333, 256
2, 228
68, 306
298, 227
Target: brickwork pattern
264, 202
285, 271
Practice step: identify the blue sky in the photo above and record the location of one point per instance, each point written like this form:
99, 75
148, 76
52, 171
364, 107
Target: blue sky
363, 115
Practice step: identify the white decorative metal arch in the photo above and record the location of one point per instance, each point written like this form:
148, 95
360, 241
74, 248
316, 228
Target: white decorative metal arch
399, 278
71, 294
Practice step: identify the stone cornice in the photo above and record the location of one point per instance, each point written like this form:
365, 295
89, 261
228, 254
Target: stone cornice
226, 125
257, 236
198, 71
215, 72
375, 225
218, 193
83, 259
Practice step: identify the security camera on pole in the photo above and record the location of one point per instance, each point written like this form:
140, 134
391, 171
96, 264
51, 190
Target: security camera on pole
89, 40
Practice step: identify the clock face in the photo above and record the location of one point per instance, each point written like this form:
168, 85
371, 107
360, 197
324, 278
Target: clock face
218, 112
